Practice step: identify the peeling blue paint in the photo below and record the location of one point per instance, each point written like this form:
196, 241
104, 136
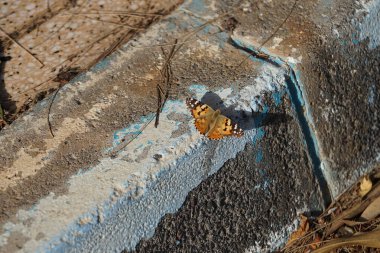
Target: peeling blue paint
355, 41
352, 41
170, 104
103, 64
260, 133
206, 29
197, 6
259, 155
306, 123
198, 89
305, 119
222, 39
59, 245
296, 92
109, 208
309, 121
343, 42
298, 101
171, 26
277, 97
273, 59
133, 129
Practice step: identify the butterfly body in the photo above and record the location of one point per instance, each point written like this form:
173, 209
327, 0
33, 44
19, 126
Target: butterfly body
210, 122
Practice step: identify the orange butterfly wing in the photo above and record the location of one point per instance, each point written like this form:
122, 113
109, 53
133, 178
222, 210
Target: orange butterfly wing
224, 127
202, 114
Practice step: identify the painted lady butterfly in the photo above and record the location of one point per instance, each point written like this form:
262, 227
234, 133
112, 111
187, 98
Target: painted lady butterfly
210, 122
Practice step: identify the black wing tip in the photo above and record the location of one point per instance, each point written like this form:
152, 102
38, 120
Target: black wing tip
192, 102
189, 100
236, 130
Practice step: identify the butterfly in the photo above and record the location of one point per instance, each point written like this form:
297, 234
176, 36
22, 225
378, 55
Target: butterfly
210, 122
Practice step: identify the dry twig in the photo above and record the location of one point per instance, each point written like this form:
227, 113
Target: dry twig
166, 75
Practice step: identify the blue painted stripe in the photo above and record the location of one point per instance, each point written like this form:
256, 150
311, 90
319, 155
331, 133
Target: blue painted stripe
305, 118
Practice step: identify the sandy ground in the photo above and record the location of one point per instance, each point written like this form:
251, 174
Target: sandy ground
44, 44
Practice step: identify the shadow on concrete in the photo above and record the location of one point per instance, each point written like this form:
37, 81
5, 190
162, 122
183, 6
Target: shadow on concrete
6, 103
247, 120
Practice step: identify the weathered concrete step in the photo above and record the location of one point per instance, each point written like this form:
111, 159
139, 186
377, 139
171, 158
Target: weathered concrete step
85, 190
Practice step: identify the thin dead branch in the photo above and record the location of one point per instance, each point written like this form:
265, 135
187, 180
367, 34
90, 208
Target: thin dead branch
115, 23
123, 13
353, 211
368, 239
124, 143
49, 110
159, 104
166, 76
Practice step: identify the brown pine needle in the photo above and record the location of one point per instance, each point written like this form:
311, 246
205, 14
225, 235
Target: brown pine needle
123, 13
115, 23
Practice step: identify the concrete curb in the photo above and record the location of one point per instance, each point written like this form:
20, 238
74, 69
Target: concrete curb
114, 204
83, 199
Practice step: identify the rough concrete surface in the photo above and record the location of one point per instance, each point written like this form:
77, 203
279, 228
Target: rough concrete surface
242, 207
346, 101
341, 86
170, 189
335, 48
94, 113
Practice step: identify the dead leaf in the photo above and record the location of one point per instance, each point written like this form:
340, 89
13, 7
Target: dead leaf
354, 210
315, 243
365, 186
369, 239
375, 192
373, 210
301, 231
